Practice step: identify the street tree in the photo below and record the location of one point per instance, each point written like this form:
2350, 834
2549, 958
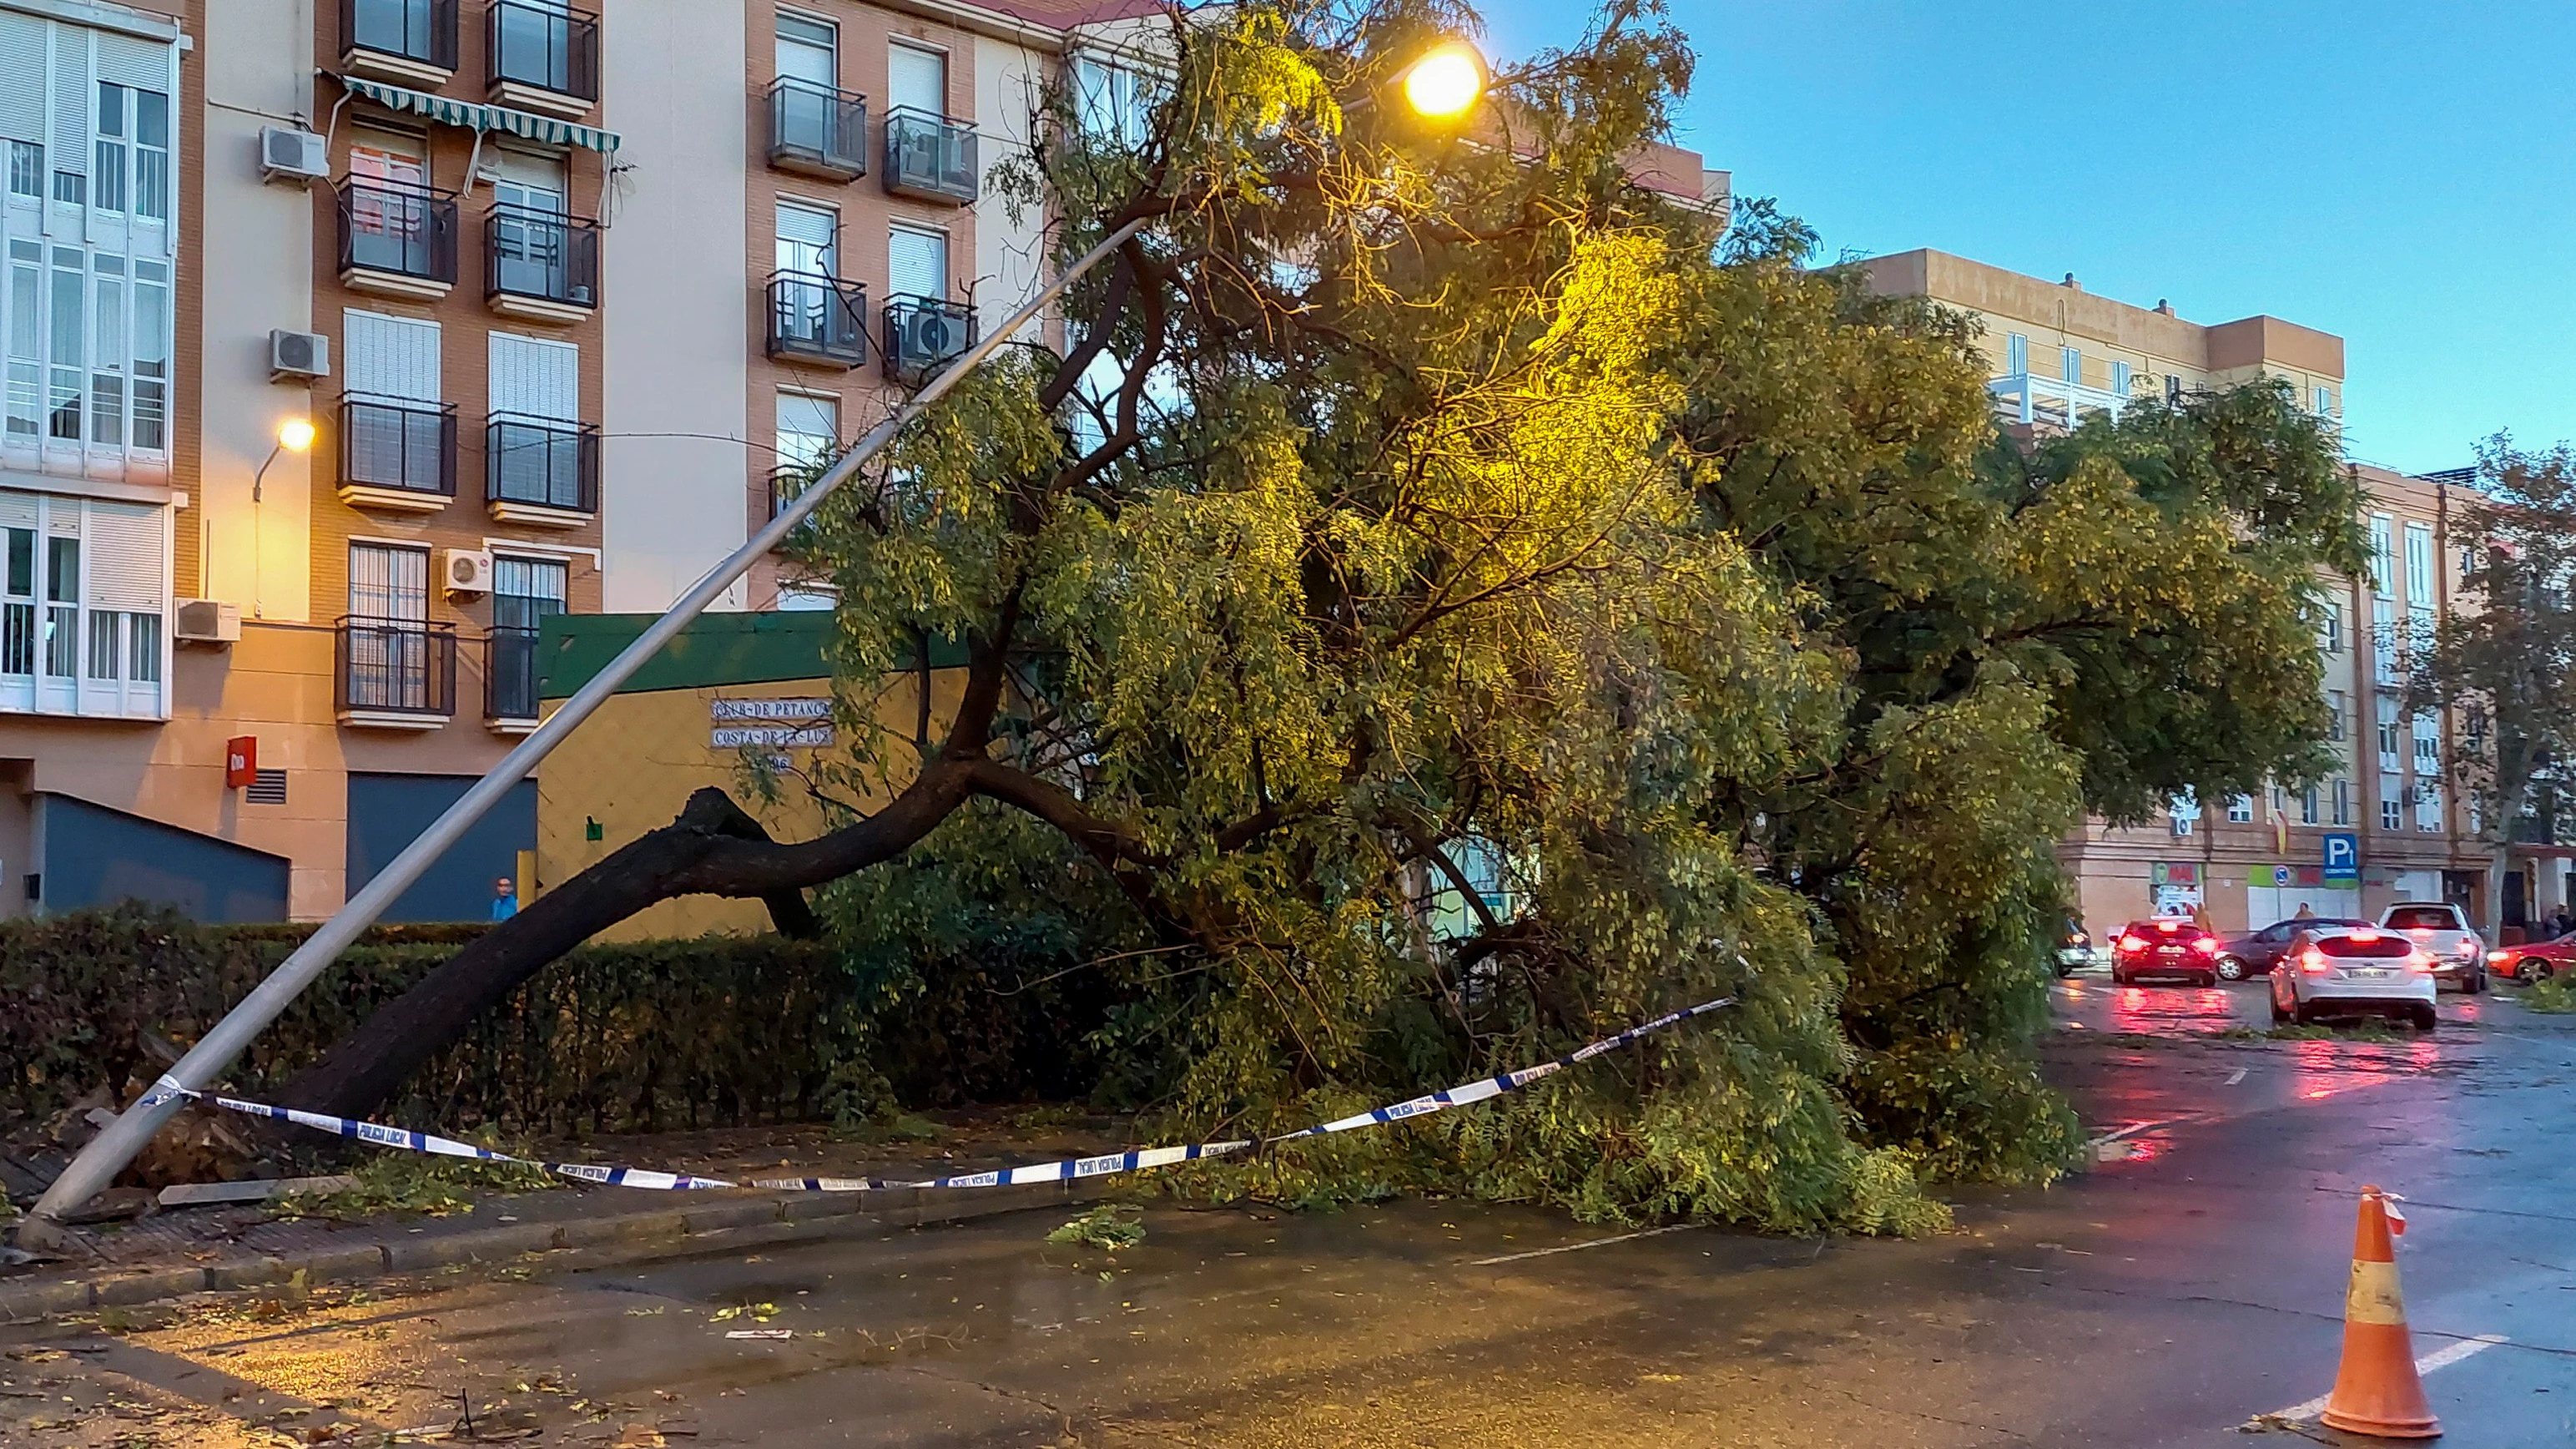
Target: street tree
2501, 663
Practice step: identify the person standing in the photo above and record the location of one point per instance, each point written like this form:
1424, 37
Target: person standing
505, 898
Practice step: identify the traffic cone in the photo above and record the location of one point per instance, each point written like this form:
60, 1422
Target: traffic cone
2377, 1391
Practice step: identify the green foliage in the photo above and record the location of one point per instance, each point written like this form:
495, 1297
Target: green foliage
2555, 993
1108, 1227
404, 1182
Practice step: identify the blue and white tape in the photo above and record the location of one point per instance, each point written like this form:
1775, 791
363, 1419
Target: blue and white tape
1064, 1170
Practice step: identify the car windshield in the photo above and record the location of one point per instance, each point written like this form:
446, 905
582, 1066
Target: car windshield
2423, 918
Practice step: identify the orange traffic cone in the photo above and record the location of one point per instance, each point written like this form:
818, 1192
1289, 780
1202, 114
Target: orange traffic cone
2376, 1390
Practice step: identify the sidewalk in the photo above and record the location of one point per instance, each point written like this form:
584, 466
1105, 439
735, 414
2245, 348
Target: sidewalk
193, 1250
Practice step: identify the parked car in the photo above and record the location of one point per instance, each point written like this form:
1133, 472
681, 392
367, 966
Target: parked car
2256, 952
2168, 948
2354, 971
2537, 961
2438, 927
2074, 948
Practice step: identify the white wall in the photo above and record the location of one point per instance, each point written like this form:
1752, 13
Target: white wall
257, 242
1010, 257
677, 300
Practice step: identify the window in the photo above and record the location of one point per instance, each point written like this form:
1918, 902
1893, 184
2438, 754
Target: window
2383, 555
917, 263
2419, 565
26, 338
808, 50
2428, 807
151, 356
525, 593
108, 171
69, 314
2428, 744
62, 604
2338, 704
2308, 806
2070, 364
2240, 809
808, 240
2383, 648
1115, 104
2330, 626
389, 582
152, 155
107, 372
2120, 378
809, 428
2325, 402
2392, 813
26, 169
82, 588
71, 188
2343, 802
2173, 388
2388, 746
916, 79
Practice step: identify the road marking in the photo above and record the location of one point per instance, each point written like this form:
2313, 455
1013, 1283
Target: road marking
2439, 1358
1579, 1247
2236, 1076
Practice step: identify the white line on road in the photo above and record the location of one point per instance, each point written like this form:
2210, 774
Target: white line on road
2438, 1359
2236, 1076
1579, 1247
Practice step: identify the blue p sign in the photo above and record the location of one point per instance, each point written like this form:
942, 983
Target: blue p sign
2343, 858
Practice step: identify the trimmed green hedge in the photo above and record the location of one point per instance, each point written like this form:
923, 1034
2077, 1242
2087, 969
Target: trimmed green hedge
655, 1034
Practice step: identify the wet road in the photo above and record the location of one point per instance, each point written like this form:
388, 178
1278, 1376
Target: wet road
2194, 1279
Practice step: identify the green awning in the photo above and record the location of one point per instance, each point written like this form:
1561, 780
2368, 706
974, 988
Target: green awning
481, 118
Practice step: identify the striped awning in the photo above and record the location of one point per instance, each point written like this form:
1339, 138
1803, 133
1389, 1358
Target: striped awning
481, 118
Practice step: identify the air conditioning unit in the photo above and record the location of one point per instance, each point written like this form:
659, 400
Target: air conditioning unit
292, 155
208, 622
927, 336
298, 354
465, 570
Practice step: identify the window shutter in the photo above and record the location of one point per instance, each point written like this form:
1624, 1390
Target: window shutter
917, 79
22, 77
73, 100
536, 376
917, 263
390, 356
17, 510
130, 60
125, 557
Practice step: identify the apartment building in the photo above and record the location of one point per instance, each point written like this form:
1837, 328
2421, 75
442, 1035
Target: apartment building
2382, 828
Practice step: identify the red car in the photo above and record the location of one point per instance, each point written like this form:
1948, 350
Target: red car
2168, 948
2535, 962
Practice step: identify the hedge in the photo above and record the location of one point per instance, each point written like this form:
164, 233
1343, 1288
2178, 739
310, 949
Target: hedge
719, 1031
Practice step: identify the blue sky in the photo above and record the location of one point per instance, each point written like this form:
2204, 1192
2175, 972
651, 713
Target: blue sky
2399, 173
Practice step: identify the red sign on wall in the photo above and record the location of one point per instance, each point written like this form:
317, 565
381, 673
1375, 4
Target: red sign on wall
241, 761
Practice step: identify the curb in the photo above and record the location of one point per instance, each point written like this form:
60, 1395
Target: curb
640, 1233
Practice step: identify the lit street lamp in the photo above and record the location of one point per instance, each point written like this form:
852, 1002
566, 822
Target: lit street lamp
1445, 82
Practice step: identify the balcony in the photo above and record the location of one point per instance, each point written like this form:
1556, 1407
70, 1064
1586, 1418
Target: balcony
815, 130
542, 57
540, 265
930, 158
922, 334
394, 673
785, 482
406, 42
540, 472
510, 680
817, 319
397, 241
397, 456
2035, 401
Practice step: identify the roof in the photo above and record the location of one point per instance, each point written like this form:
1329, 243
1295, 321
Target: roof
1066, 14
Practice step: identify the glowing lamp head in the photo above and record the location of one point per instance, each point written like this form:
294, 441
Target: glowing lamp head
295, 434
1446, 82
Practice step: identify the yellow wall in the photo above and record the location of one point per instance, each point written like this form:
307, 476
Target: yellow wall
634, 764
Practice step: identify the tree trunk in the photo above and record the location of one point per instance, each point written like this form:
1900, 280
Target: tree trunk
713, 848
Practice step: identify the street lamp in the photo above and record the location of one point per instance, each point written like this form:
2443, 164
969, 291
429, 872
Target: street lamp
293, 436
1445, 81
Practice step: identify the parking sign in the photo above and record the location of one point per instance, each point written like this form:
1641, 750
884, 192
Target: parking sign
2343, 858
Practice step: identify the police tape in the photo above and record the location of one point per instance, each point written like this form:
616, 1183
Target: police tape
1064, 1170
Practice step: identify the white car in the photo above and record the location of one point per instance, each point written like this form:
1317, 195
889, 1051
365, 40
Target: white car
2459, 957
2354, 971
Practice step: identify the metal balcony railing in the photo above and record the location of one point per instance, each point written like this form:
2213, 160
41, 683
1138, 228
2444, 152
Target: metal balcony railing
510, 673
2028, 398
543, 255
817, 319
545, 462
404, 231
395, 666
929, 157
922, 334
817, 130
393, 444
421, 31
548, 47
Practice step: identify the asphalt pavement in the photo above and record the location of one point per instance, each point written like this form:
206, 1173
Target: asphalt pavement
2193, 1280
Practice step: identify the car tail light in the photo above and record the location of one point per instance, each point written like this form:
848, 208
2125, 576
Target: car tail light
2206, 945
2313, 962
2419, 962
2468, 950
2168, 927
2365, 933
2132, 943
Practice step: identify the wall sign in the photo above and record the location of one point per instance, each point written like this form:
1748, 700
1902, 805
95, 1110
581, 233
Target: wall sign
771, 723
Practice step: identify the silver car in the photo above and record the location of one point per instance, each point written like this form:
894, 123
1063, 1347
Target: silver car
2438, 927
2344, 971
